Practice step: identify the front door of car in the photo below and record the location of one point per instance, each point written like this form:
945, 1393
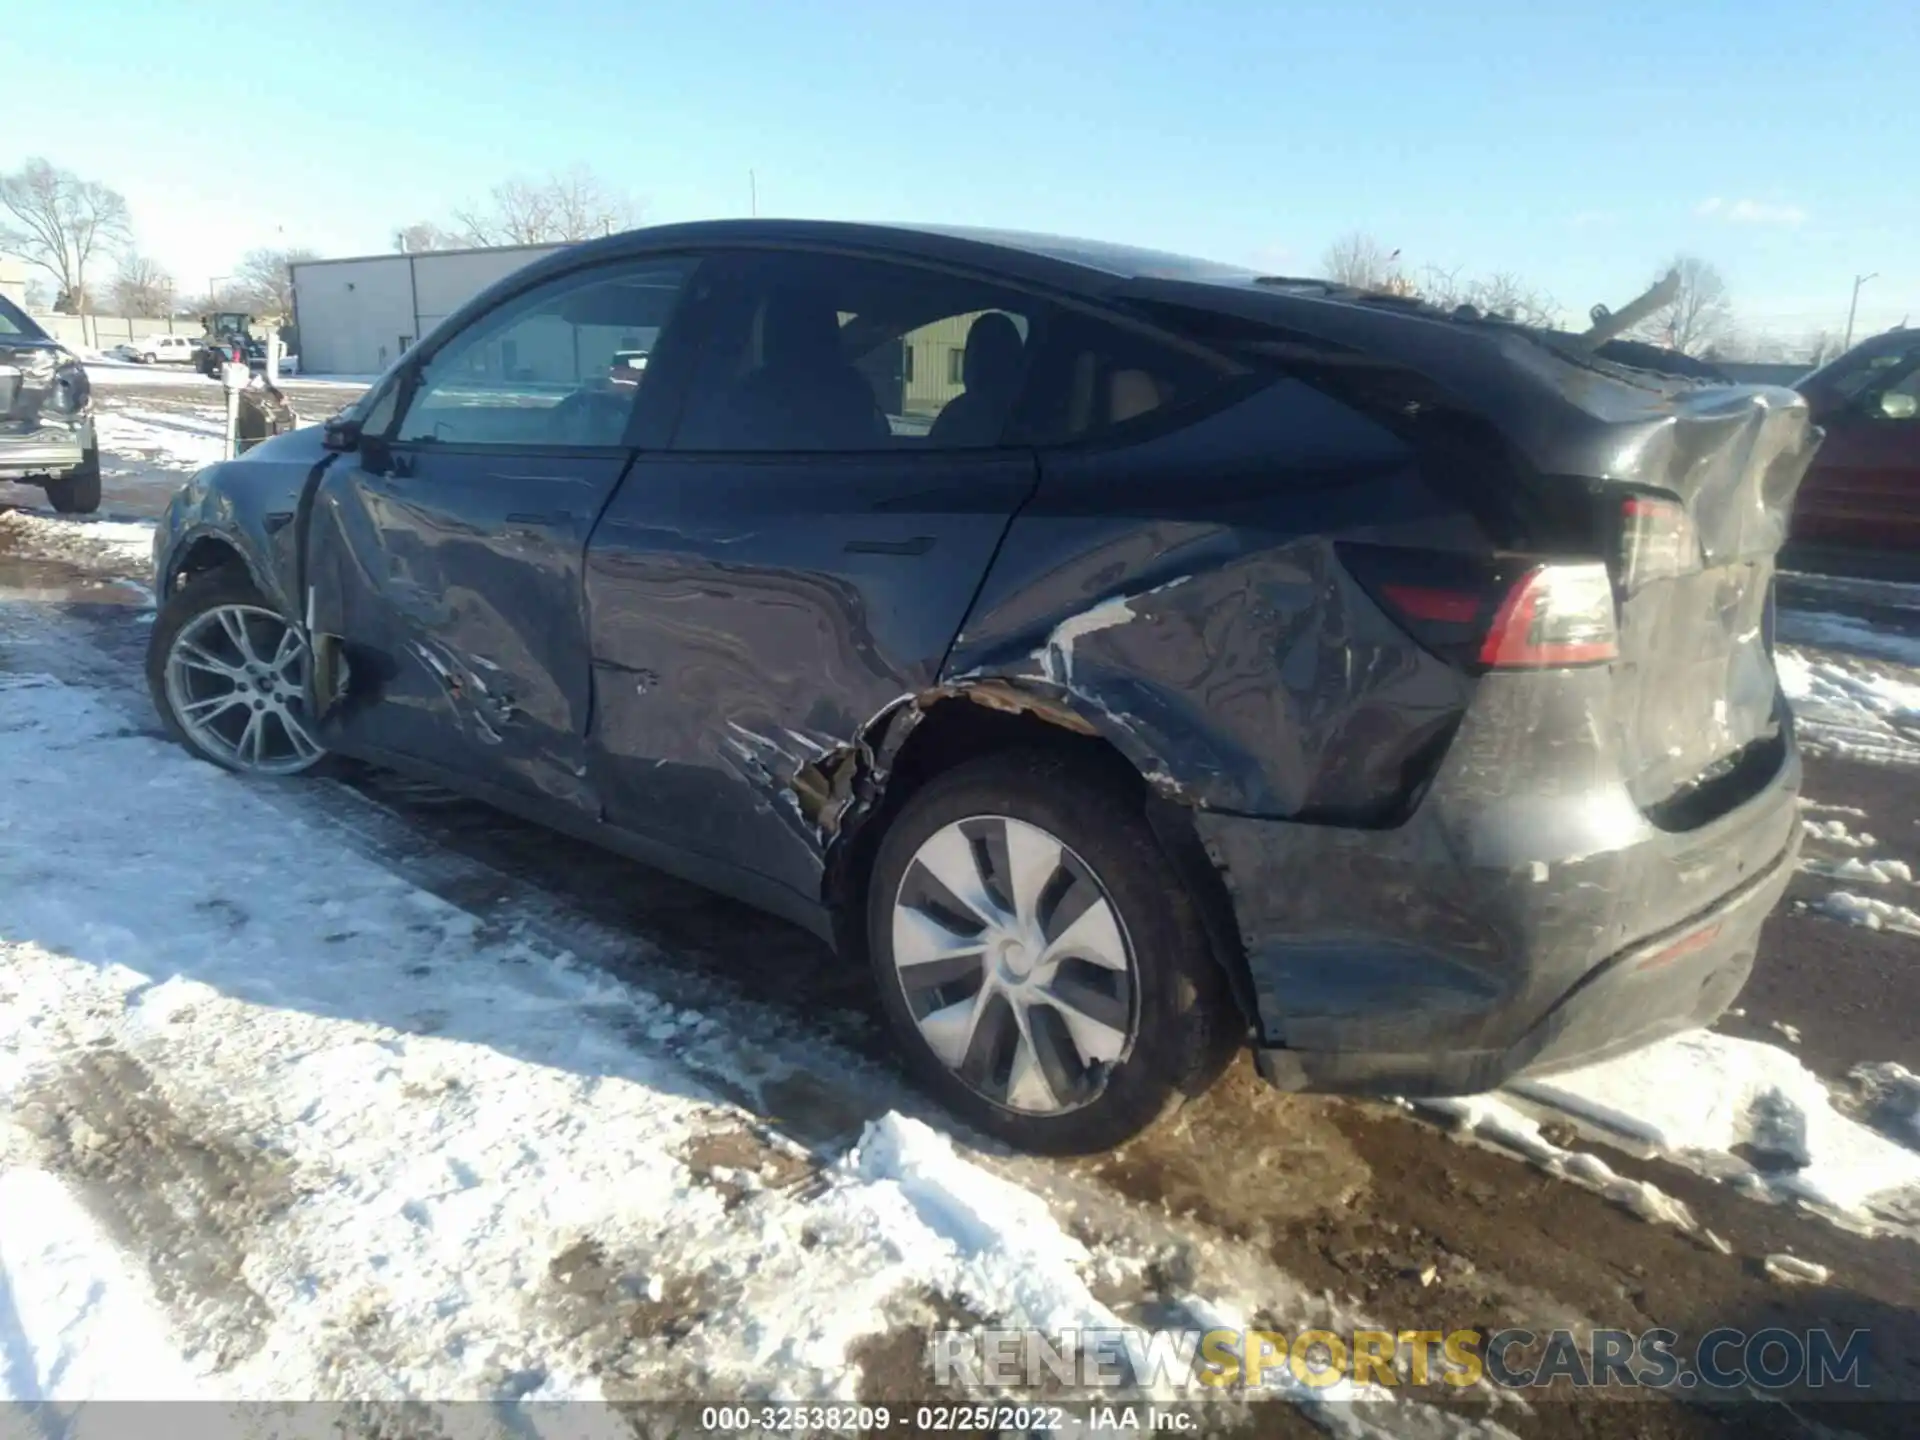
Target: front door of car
443, 554
804, 554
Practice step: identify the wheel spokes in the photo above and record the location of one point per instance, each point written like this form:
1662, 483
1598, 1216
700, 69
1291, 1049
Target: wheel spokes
1096, 1022
304, 745
1094, 936
1029, 1087
1014, 964
929, 953
949, 861
953, 1030
274, 737
1033, 859
194, 656
234, 623
206, 709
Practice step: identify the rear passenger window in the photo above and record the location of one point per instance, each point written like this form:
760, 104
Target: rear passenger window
813, 353
1093, 376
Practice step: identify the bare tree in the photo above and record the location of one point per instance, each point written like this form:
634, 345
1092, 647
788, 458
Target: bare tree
264, 278
1511, 298
1442, 288
62, 224
1502, 294
1361, 261
1698, 316
422, 236
141, 288
561, 208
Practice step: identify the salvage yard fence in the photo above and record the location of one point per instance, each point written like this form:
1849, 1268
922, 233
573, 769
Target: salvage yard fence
103, 332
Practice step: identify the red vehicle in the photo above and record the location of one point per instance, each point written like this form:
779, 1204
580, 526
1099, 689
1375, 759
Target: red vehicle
1864, 487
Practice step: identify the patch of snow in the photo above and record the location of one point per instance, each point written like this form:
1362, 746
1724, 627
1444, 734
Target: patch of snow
106, 374
1835, 832
169, 441
1494, 1120
1845, 632
1699, 1095
1851, 707
1865, 910
1891, 1094
120, 544
1794, 1270
1874, 872
76, 1322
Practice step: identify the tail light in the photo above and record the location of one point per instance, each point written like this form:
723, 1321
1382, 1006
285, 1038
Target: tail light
1657, 541
1482, 615
1554, 615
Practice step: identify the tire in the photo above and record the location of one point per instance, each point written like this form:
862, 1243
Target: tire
198, 613
1181, 1024
78, 493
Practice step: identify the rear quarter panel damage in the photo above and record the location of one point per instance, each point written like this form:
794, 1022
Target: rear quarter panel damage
1186, 602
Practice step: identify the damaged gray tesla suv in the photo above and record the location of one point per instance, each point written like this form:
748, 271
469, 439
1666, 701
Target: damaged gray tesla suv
46, 415
1131, 659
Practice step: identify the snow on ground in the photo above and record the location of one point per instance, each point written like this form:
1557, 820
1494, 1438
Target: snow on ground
415, 1125
74, 1318
1853, 708
108, 374
351, 1143
170, 440
116, 545
1870, 911
1698, 1096
1846, 632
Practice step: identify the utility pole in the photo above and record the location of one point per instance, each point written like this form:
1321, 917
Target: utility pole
1858, 281
753, 194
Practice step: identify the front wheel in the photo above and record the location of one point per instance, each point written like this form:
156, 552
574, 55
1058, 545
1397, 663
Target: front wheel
1039, 961
229, 677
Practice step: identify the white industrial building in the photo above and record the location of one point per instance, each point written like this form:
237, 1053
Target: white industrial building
355, 316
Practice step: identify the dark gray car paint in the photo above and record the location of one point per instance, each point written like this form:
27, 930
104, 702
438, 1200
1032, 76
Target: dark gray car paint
719, 674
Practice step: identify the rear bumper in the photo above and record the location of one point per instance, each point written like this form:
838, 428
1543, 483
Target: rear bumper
1528, 916
42, 453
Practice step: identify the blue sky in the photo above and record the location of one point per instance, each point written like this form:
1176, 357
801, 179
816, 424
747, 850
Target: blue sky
1576, 144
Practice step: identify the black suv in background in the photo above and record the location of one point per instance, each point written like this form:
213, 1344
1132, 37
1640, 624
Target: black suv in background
1129, 658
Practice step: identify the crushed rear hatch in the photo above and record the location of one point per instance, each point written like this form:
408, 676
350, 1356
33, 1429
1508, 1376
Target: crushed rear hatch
1682, 483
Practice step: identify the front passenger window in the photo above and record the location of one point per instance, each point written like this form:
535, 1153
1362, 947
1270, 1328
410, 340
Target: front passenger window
552, 367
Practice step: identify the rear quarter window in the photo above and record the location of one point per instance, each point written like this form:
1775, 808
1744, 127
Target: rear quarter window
1096, 379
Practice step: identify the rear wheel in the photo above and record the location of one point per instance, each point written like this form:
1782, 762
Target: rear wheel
229, 677
77, 493
1039, 961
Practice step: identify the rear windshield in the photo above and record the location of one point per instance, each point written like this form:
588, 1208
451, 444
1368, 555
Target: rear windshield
15, 321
